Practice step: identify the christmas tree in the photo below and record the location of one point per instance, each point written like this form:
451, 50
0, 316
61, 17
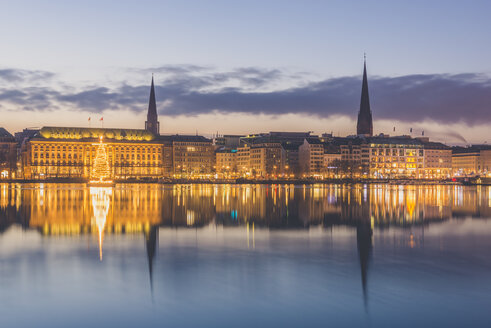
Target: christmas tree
100, 168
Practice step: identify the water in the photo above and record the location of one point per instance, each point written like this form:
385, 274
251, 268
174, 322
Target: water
244, 256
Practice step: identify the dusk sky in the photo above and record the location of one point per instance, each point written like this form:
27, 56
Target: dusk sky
249, 66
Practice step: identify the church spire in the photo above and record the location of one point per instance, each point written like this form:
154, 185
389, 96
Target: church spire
365, 125
152, 124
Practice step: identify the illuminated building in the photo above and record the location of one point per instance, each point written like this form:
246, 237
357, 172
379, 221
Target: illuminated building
329, 158
267, 160
192, 156
8, 155
398, 157
226, 163
71, 152
310, 155
386, 157
65, 152
437, 160
244, 160
471, 161
271, 154
261, 160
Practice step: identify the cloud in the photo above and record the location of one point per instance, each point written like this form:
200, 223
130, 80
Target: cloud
30, 98
442, 98
12, 75
193, 90
204, 76
170, 69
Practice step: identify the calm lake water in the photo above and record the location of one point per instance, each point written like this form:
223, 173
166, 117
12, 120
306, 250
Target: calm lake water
245, 256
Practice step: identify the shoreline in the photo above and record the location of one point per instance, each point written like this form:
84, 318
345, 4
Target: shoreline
486, 181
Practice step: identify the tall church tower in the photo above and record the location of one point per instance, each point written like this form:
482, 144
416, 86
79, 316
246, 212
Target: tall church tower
152, 124
365, 125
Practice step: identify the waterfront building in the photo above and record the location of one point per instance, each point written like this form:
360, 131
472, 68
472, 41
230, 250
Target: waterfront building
351, 149
474, 160
226, 163
65, 152
8, 155
191, 156
385, 157
244, 160
290, 143
292, 158
266, 160
398, 157
330, 158
263, 161
62, 152
437, 160
395, 157
311, 154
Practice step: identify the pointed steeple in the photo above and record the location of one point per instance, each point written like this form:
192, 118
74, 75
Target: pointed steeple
152, 124
365, 125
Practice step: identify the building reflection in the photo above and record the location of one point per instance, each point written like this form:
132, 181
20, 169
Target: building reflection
65, 209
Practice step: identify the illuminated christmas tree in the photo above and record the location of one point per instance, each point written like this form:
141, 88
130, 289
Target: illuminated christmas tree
100, 168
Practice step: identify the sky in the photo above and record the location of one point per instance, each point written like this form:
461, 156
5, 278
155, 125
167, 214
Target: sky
239, 67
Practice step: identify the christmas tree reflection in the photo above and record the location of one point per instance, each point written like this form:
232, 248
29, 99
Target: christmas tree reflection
101, 200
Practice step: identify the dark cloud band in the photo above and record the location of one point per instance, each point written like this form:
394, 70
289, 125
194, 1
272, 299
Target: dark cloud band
192, 90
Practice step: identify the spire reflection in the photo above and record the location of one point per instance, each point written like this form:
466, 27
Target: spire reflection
142, 209
151, 238
364, 244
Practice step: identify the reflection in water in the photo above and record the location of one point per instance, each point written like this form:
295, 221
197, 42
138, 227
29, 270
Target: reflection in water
151, 238
364, 244
101, 200
69, 209
64, 209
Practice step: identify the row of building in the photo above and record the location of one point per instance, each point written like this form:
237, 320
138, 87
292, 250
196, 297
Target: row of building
60, 152
65, 152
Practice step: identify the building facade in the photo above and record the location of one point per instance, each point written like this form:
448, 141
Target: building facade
311, 154
266, 160
192, 156
437, 160
470, 161
8, 155
226, 163
60, 152
330, 159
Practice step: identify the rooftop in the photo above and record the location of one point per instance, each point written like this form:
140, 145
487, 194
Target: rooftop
94, 133
184, 138
5, 135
